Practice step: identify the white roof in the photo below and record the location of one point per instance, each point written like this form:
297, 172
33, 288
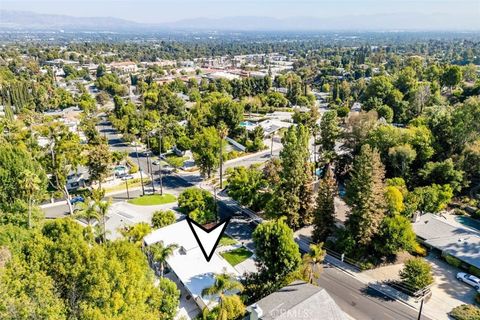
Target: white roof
189, 264
197, 274
178, 233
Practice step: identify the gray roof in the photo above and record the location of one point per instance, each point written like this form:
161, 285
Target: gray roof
462, 243
300, 301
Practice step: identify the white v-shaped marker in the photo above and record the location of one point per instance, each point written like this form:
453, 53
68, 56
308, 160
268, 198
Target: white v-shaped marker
208, 239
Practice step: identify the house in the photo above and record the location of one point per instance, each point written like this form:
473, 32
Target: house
188, 264
273, 125
124, 67
297, 301
446, 238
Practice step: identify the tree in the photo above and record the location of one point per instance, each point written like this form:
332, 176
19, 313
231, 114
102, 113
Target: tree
222, 134
63, 155
329, 131
400, 158
312, 263
55, 273
452, 76
99, 160
276, 264
416, 274
163, 218
396, 234
136, 233
293, 196
394, 200
365, 195
442, 173
324, 214
245, 185
22, 178
206, 148
160, 253
102, 207
26, 293
430, 199
195, 198
31, 185
230, 306
88, 210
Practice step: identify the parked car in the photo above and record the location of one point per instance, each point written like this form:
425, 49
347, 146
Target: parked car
127, 177
76, 199
155, 162
469, 279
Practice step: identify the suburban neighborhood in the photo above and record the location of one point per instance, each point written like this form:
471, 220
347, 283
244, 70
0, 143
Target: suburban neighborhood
204, 170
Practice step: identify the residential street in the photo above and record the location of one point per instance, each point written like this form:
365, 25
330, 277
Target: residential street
361, 302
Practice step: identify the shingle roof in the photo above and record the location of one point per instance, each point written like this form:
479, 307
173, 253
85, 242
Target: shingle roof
300, 301
459, 242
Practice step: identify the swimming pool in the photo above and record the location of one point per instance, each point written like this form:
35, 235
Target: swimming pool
468, 222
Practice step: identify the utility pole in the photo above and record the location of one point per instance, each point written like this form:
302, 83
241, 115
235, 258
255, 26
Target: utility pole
160, 160
271, 145
149, 163
421, 307
216, 205
139, 168
128, 193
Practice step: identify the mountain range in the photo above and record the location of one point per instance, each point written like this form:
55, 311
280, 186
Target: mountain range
23, 20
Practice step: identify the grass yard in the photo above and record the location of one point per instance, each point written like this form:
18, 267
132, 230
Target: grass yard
226, 241
236, 256
152, 200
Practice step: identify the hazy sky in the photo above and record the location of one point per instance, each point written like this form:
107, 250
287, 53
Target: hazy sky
152, 11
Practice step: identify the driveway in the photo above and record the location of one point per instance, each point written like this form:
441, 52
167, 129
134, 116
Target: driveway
447, 292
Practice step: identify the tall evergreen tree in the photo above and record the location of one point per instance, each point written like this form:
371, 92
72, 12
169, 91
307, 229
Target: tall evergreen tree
293, 196
366, 196
324, 214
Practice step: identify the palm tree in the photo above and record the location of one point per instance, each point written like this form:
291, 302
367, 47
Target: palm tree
30, 187
103, 206
88, 211
160, 253
222, 133
312, 263
225, 283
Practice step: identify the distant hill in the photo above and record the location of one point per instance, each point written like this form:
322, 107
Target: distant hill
386, 22
22, 20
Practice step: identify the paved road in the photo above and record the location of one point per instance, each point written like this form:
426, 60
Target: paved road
171, 184
361, 302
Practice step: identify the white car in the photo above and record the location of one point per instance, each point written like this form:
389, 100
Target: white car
469, 279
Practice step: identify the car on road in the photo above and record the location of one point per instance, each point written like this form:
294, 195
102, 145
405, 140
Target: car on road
76, 199
127, 177
155, 162
469, 279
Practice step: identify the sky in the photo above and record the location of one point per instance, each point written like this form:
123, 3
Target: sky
158, 11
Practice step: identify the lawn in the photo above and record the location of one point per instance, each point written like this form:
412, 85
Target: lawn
236, 256
152, 200
227, 241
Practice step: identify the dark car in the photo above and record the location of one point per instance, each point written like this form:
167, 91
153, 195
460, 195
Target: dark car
76, 199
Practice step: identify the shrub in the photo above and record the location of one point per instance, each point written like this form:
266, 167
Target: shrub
475, 271
453, 261
416, 274
163, 218
465, 312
